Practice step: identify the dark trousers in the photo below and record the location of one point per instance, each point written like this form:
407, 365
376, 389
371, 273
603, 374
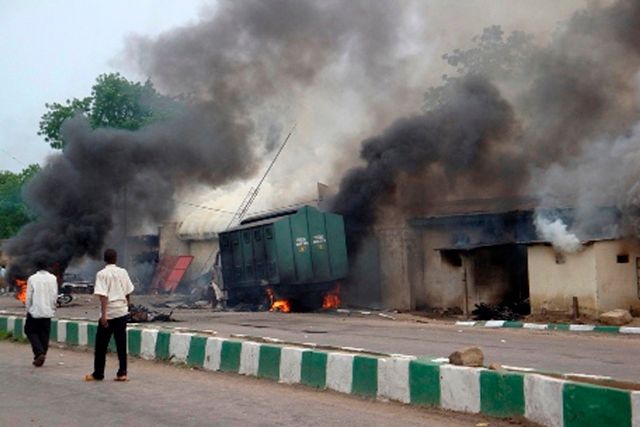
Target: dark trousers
37, 331
117, 327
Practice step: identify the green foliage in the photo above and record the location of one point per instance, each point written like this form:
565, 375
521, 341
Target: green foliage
115, 102
52, 120
13, 212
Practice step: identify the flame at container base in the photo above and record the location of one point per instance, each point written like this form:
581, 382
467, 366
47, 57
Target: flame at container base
332, 299
281, 305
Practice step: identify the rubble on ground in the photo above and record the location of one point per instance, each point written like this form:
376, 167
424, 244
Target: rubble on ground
617, 317
470, 356
140, 314
505, 311
184, 304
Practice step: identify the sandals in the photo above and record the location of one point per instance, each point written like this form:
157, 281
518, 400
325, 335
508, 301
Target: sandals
90, 377
121, 378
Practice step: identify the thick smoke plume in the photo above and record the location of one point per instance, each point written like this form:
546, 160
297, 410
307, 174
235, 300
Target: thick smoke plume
103, 175
463, 139
555, 231
513, 111
518, 119
236, 71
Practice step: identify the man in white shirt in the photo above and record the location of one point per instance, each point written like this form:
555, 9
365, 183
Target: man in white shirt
113, 286
42, 293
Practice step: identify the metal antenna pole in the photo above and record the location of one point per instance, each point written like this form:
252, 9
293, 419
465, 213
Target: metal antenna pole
253, 193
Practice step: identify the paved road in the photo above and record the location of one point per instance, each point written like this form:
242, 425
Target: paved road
586, 353
163, 395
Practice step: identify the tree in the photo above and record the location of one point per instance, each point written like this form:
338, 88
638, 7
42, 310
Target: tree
13, 212
114, 102
491, 55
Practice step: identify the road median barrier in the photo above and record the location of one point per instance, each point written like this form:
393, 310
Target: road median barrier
543, 399
494, 324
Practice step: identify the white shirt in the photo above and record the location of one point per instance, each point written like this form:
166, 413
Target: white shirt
42, 293
114, 283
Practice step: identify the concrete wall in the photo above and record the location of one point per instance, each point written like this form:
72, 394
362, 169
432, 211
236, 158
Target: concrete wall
203, 252
170, 243
398, 249
617, 281
553, 283
444, 283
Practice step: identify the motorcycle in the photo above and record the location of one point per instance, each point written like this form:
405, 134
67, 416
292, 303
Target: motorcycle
64, 299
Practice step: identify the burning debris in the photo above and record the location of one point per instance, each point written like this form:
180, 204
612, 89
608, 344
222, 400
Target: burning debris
21, 291
331, 300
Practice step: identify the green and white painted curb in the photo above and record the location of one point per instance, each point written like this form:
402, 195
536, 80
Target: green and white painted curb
542, 399
550, 326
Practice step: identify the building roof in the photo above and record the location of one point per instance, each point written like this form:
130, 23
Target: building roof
476, 230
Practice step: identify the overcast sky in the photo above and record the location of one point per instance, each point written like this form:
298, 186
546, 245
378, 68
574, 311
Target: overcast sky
53, 50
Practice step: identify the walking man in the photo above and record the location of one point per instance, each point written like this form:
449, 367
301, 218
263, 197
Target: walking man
42, 293
113, 286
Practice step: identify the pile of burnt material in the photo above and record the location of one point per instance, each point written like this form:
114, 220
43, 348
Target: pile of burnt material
140, 314
504, 311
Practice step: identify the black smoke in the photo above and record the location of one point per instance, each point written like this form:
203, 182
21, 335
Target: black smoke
235, 70
81, 196
515, 114
462, 137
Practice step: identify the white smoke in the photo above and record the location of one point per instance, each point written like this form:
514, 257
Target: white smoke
556, 232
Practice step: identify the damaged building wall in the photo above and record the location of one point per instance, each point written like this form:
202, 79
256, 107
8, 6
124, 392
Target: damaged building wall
617, 274
555, 278
445, 276
170, 242
419, 269
203, 250
400, 267
603, 276
204, 253
459, 279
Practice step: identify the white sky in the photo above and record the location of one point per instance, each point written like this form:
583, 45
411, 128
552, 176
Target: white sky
53, 50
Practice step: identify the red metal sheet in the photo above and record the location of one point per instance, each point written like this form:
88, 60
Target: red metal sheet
170, 272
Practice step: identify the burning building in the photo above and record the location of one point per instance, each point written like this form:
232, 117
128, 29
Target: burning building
551, 117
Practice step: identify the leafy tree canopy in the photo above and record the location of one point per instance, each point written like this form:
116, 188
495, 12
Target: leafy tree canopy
13, 212
114, 102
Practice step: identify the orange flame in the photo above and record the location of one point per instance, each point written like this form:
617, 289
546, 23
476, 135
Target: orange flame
281, 305
332, 299
21, 294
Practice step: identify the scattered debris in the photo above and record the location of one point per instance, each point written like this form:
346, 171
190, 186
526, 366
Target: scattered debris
185, 304
386, 316
470, 356
139, 314
617, 317
505, 311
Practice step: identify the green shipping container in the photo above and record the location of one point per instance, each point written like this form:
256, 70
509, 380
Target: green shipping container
287, 251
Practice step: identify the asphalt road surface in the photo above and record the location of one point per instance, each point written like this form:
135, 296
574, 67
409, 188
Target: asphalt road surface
612, 355
163, 395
